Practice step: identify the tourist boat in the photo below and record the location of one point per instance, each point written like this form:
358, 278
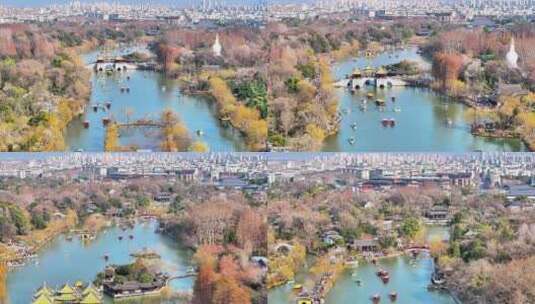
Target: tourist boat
397, 109
380, 102
376, 298
394, 98
388, 122
95, 108
393, 296
105, 121
86, 124
345, 111
290, 282
449, 122
200, 132
351, 141
354, 126
437, 280
381, 273
359, 282
131, 237
364, 101
370, 95
69, 238
123, 90
127, 90
120, 238
127, 77
297, 287
108, 104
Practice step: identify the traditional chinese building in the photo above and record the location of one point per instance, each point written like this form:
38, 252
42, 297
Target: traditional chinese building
77, 294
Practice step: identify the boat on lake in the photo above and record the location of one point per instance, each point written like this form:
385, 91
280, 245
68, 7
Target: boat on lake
383, 275
388, 122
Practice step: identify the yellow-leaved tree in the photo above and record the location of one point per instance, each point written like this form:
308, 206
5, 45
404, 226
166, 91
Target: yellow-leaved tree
199, 147
111, 141
175, 136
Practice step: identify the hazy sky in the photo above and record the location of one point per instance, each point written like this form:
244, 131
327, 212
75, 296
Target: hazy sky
167, 2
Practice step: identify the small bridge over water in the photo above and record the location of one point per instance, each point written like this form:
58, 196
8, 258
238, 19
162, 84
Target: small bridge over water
379, 82
113, 64
379, 78
188, 274
142, 123
415, 249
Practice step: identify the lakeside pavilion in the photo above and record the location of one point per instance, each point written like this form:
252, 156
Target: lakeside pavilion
68, 295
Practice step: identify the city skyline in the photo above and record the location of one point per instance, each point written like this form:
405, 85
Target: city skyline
170, 3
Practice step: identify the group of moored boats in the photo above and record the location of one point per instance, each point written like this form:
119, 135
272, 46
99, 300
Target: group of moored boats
22, 261
316, 296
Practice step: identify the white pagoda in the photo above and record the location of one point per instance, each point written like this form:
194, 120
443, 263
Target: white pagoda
512, 56
217, 48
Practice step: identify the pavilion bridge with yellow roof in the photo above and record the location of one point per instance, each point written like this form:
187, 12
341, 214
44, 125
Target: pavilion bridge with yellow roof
77, 294
369, 76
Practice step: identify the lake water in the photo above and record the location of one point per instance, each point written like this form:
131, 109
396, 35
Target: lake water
64, 261
408, 277
421, 123
150, 94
